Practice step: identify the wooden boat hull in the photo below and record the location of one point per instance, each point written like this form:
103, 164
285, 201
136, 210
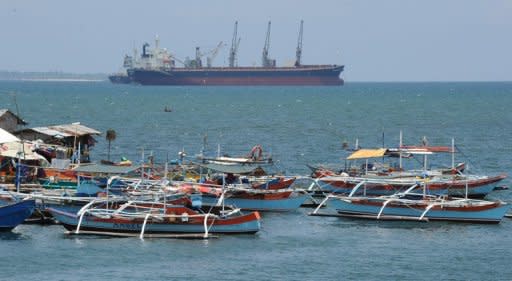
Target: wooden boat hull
274, 184
12, 215
477, 187
289, 203
249, 223
370, 208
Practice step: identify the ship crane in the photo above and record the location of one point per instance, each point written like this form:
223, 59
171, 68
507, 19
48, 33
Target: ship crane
234, 47
177, 59
298, 52
265, 60
213, 54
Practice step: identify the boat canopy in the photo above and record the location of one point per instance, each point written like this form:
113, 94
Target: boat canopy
367, 153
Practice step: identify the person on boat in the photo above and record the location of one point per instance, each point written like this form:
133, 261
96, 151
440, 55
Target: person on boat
256, 153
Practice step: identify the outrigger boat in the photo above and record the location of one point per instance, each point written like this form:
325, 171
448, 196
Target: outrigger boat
246, 197
252, 199
416, 207
154, 219
14, 211
475, 186
391, 181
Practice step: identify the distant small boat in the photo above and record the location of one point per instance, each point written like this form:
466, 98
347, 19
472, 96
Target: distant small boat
167, 109
13, 214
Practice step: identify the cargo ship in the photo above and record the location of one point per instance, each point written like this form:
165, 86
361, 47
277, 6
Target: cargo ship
123, 77
156, 66
120, 78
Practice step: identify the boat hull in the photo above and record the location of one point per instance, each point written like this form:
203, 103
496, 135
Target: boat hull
249, 223
120, 79
274, 205
476, 188
492, 213
274, 184
12, 215
306, 75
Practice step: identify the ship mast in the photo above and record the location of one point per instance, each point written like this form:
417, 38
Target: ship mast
265, 60
234, 47
298, 52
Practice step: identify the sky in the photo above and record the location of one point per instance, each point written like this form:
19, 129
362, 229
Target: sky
393, 40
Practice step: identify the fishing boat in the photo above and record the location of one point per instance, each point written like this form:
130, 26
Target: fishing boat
379, 181
271, 183
474, 186
154, 219
416, 207
247, 198
13, 213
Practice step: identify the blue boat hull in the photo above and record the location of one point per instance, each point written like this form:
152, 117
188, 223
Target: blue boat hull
276, 205
14, 214
490, 215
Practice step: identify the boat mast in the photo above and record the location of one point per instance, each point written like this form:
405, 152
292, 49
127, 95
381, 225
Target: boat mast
298, 52
234, 47
453, 154
400, 152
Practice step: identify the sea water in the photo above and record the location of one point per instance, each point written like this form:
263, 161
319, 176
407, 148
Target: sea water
298, 126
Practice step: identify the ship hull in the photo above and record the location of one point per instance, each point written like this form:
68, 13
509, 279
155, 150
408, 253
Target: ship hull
245, 76
120, 79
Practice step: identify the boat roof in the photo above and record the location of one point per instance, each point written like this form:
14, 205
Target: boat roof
364, 153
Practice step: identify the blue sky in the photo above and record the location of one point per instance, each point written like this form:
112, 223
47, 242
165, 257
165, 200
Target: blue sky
377, 40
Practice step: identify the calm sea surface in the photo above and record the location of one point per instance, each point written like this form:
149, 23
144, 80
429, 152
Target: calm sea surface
298, 125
